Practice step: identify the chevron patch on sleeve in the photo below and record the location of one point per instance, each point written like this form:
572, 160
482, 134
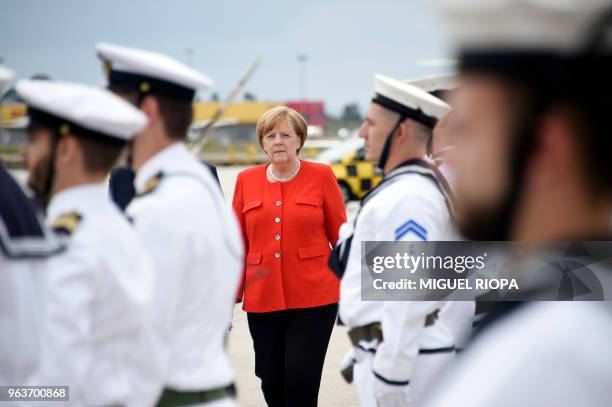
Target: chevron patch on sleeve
411, 227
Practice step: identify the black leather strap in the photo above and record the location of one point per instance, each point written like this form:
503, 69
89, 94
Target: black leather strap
175, 398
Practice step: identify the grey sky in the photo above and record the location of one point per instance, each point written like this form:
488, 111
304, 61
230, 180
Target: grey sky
346, 41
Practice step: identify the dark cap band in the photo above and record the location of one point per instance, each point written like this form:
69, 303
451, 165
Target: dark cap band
145, 85
39, 118
416, 115
522, 64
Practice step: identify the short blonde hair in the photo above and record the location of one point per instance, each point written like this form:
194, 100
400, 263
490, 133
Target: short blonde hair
272, 117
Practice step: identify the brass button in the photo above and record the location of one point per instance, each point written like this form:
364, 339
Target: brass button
277, 255
278, 203
276, 237
277, 220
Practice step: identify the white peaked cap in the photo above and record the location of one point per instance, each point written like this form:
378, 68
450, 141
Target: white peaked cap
408, 100
560, 26
141, 66
435, 83
94, 110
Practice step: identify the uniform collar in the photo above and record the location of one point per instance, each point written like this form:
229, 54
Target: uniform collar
413, 161
73, 199
169, 158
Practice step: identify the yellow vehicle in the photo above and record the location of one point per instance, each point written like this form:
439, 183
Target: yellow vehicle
356, 176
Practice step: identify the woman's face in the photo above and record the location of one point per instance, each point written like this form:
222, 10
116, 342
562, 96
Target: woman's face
281, 143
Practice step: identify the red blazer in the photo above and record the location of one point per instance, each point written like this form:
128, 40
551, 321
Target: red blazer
288, 228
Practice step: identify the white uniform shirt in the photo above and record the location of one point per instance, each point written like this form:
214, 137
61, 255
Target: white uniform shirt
20, 311
458, 316
543, 354
408, 198
25, 247
96, 295
195, 242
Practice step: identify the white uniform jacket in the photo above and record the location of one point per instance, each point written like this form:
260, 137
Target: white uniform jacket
197, 251
96, 295
25, 247
542, 354
409, 208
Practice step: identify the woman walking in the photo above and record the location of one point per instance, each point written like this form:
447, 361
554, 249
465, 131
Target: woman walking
290, 212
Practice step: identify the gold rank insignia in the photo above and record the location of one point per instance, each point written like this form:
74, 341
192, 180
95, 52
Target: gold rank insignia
107, 69
66, 223
151, 184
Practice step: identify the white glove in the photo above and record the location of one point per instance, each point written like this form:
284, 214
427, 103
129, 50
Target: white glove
390, 395
345, 231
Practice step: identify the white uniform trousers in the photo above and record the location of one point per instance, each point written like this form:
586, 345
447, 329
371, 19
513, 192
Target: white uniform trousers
427, 368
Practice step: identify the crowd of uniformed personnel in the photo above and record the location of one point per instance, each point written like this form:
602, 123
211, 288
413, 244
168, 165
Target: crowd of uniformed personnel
134, 308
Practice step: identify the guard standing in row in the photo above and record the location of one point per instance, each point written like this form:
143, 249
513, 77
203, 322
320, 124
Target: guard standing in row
458, 316
398, 346
97, 293
26, 244
533, 164
443, 87
189, 230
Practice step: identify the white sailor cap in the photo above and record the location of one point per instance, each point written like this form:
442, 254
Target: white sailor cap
408, 101
150, 72
6, 75
82, 110
561, 27
431, 84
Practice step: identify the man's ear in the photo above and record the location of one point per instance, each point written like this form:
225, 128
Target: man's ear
150, 107
67, 149
555, 150
403, 131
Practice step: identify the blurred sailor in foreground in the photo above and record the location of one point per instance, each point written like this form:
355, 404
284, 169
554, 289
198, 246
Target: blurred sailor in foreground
398, 346
190, 231
25, 247
443, 87
97, 293
458, 316
533, 165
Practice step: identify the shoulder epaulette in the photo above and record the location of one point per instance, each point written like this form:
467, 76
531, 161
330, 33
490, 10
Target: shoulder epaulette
151, 184
66, 223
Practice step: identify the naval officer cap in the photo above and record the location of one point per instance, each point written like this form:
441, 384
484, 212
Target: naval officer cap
150, 73
82, 110
520, 34
409, 101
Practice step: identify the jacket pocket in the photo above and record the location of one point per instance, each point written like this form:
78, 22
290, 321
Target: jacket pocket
253, 258
251, 205
308, 200
313, 251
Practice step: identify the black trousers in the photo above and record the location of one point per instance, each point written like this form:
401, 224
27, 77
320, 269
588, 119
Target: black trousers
290, 348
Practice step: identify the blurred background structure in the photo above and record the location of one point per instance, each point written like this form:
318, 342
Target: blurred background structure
316, 58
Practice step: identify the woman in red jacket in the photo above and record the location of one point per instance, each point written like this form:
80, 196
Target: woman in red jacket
290, 212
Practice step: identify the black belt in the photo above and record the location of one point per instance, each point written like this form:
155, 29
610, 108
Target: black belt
174, 398
373, 331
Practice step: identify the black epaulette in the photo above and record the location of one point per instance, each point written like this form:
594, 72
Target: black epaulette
151, 184
66, 223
